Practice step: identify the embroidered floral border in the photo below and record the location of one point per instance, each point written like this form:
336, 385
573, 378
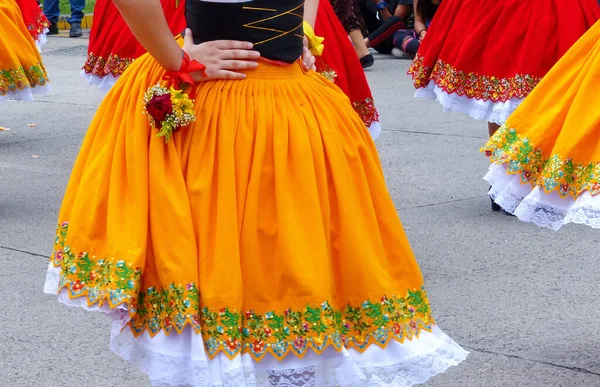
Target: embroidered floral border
16, 79
37, 28
554, 173
366, 110
230, 331
469, 84
101, 67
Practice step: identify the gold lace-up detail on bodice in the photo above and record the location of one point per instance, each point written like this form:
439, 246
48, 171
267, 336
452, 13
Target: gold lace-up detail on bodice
263, 24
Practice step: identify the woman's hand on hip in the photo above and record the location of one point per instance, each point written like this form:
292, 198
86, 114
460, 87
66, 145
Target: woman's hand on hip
308, 59
223, 58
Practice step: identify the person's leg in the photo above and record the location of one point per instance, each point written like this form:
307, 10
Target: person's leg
359, 43
406, 40
403, 9
51, 10
76, 18
384, 32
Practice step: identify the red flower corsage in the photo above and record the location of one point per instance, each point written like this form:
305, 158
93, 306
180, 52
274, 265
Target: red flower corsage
169, 108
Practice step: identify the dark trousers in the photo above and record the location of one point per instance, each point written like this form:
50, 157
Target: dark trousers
393, 33
53, 12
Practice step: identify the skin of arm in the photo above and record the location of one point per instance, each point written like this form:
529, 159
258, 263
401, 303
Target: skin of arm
310, 11
420, 26
152, 31
223, 58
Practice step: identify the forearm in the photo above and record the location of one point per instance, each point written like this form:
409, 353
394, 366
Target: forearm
419, 26
147, 21
419, 21
310, 11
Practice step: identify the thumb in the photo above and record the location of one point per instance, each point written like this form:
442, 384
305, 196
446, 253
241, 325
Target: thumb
188, 38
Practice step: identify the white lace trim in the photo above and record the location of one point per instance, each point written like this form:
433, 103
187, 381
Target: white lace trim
42, 39
104, 83
489, 111
536, 206
26, 94
375, 130
181, 360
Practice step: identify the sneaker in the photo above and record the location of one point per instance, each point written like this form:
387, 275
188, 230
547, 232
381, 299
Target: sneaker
398, 53
75, 31
53, 30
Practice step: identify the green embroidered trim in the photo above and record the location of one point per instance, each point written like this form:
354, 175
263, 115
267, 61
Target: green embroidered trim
20, 78
230, 331
555, 173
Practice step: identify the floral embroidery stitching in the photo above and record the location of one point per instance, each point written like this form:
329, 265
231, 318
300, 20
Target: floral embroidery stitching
20, 78
554, 173
101, 67
38, 27
469, 84
232, 332
366, 110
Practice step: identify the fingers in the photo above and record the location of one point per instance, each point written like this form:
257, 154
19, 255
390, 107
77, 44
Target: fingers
238, 65
239, 54
188, 38
225, 74
308, 59
232, 45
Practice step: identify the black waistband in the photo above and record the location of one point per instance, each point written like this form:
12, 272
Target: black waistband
274, 26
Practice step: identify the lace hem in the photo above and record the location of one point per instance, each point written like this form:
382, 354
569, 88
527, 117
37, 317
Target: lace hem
182, 359
42, 39
375, 130
26, 94
534, 205
103, 83
497, 112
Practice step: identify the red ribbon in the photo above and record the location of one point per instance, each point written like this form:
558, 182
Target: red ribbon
182, 77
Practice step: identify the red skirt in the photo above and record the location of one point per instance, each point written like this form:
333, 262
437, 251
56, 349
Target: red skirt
340, 64
35, 20
112, 45
483, 57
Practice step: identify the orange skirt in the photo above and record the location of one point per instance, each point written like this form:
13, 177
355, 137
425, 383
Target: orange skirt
546, 158
264, 229
21, 70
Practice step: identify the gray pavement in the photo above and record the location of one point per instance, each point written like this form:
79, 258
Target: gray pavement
523, 300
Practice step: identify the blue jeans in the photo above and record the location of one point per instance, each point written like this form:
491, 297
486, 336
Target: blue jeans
53, 12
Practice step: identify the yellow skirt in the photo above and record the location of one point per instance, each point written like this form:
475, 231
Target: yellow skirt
265, 227
547, 156
21, 68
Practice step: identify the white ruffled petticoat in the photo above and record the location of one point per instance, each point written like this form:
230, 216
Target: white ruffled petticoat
180, 360
489, 111
42, 39
26, 94
104, 83
536, 206
375, 129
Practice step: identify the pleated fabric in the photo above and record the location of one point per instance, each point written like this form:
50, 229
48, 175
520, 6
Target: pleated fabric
482, 57
113, 47
261, 232
546, 158
21, 70
340, 64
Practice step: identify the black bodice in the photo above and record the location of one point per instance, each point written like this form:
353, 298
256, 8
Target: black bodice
274, 26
